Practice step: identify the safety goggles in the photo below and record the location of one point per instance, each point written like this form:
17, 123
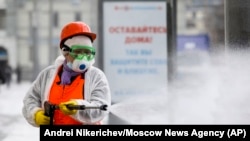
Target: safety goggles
82, 52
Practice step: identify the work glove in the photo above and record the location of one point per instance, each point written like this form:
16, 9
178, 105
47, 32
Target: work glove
63, 107
41, 119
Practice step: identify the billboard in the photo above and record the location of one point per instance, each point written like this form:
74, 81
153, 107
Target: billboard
134, 47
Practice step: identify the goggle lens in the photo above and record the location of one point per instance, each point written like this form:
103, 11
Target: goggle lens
82, 52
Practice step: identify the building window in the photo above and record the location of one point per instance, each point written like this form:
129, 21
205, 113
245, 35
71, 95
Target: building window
190, 24
55, 19
2, 19
191, 20
78, 16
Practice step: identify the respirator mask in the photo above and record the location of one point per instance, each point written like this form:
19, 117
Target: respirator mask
84, 57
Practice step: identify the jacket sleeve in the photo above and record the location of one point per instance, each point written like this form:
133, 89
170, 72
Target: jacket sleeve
32, 101
96, 93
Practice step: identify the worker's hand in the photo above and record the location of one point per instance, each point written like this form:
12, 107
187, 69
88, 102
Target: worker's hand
63, 107
41, 119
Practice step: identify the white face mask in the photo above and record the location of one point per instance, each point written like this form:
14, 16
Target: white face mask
80, 65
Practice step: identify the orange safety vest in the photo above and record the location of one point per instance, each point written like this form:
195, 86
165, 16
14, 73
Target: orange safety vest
62, 93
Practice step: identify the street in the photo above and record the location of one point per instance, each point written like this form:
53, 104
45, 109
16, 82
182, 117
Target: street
215, 92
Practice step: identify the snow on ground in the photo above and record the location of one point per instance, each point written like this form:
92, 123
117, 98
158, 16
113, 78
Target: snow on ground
215, 92
13, 126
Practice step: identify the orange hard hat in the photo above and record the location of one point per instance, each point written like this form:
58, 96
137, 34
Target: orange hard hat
76, 28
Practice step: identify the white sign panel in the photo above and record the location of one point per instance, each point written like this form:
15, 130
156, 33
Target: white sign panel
135, 47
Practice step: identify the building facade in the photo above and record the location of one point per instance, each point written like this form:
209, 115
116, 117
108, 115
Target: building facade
36, 26
33, 27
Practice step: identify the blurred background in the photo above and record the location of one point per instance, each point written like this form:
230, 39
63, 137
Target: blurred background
30, 29
167, 61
